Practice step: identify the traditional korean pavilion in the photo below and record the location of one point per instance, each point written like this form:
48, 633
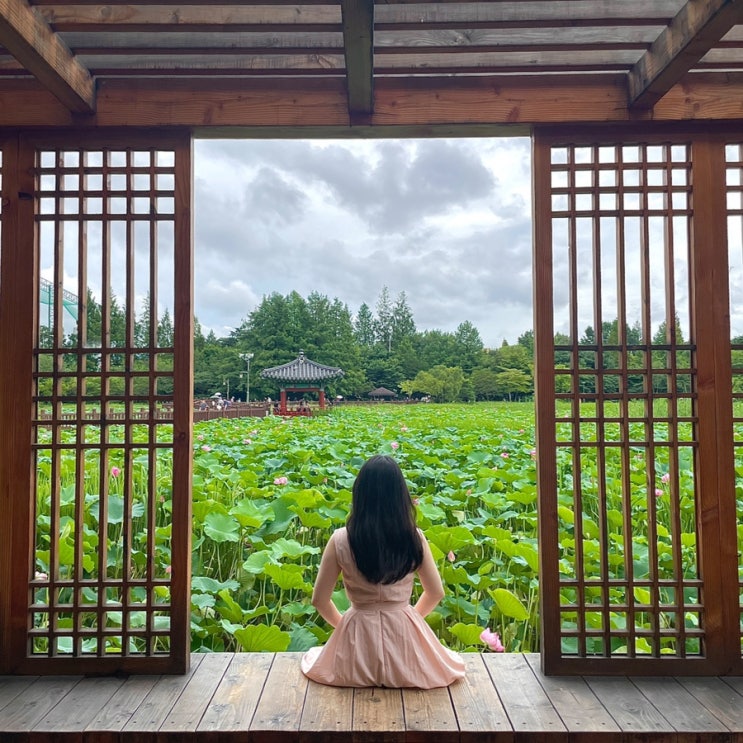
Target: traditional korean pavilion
301, 375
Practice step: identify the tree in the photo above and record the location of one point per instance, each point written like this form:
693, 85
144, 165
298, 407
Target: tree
383, 326
485, 383
403, 325
165, 330
513, 383
452, 379
363, 328
526, 339
468, 345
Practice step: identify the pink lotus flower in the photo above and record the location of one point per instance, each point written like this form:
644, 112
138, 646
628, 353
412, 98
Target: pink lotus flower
504, 454
281, 480
665, 478
394, 445
40, 576
492, 640
658, 492
168, 569
206, 447
247, 442
416, 501
115, 471
451, 556
533, 453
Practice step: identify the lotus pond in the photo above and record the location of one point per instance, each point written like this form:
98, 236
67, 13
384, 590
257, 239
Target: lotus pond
269, 492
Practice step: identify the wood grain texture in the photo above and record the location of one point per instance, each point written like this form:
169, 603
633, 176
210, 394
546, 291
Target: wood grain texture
25, 35
279, 711
528, 707
690, 35
478, 706
327, 713
378, 715
234, 702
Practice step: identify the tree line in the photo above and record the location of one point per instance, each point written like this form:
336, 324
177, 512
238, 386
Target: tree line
378, 347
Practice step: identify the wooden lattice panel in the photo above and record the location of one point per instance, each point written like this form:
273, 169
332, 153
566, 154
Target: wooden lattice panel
111, 426
630, 578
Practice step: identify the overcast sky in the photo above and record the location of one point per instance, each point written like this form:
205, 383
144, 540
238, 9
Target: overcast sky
446, 221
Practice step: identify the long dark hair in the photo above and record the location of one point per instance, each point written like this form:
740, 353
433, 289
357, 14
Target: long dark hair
381, 526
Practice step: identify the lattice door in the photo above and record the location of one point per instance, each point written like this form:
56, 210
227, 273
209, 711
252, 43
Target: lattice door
102, 265
635, 468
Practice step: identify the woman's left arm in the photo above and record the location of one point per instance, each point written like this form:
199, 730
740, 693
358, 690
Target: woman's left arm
433, 589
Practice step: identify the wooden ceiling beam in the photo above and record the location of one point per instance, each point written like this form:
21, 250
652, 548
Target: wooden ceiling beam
699, 25
38, 49
505, 104
194, 18
358, 39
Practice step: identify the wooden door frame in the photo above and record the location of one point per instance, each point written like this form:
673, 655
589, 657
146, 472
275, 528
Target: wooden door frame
19, 298
716, 517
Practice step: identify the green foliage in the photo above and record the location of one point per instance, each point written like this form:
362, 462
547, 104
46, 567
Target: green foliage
267, 494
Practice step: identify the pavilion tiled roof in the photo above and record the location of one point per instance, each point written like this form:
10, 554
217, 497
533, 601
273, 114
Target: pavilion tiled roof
302, 369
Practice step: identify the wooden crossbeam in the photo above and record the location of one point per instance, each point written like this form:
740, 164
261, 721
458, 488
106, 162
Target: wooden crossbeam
698, 26
40, 51
358, 38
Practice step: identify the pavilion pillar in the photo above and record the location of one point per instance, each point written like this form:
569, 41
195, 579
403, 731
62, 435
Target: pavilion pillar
282, 405
321, 398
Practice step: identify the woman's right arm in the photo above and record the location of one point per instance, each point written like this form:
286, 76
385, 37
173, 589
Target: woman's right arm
433, 589
327, 578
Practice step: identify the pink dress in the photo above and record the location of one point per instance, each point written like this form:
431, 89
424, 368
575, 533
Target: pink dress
381, 640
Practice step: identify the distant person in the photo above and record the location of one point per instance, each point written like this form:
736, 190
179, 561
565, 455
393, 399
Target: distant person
382, 640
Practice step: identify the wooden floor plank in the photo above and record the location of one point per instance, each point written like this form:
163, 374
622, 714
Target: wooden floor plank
12, 687
528, 708
188, 710
429, 715
37, 700
157, 704
579, 709
480, 714
630, 708
327, 714
678, 706
233, 705
80, 706
279, 710
719, 698
378, 716
262, 698
122, 705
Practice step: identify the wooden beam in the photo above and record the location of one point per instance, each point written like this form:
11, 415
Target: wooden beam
311, 107
200, 17
698, 26
30, 40
358, 38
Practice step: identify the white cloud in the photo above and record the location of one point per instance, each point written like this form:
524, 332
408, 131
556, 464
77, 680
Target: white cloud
446, 221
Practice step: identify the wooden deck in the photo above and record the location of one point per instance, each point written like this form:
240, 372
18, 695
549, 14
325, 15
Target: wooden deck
264, 697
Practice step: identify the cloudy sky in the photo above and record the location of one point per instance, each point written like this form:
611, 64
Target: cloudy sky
446, 221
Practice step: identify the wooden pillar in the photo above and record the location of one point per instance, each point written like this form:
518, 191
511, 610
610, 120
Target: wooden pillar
18, 321
321, 396
282, 405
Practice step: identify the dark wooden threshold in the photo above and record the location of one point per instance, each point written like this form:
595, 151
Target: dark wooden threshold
256, 697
